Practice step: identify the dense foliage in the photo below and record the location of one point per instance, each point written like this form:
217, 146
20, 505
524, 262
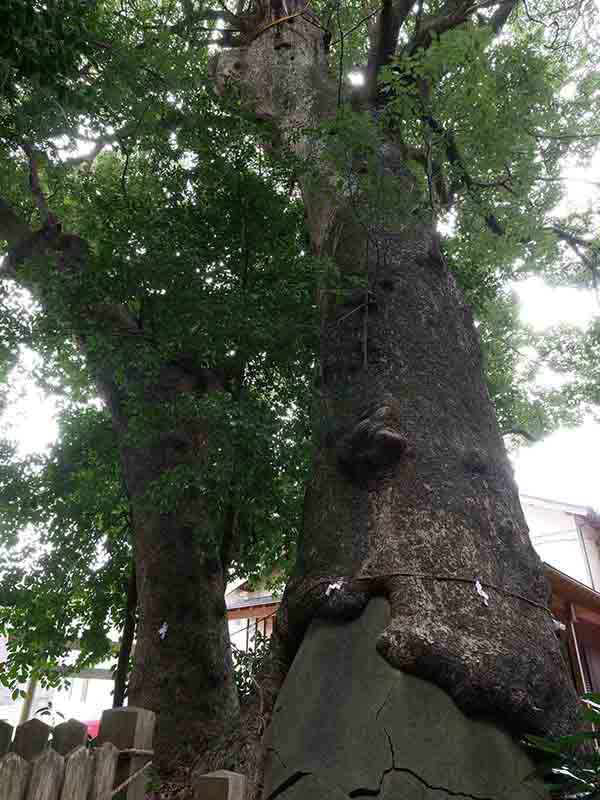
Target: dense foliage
570, 764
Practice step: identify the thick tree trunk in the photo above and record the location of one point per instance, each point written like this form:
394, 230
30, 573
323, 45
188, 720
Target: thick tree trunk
411, 500
411, 512
412, 491
183, 668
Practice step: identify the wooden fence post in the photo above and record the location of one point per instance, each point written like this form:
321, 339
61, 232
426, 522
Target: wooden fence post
14, 777
69, 735
47, 773
130, 729
105, 768
6, 732
30, 739
78, 774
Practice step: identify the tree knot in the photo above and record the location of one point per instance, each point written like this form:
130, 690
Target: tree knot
376, 442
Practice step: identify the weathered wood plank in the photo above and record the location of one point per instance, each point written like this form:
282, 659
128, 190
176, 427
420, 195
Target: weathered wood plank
47, 774
69, 735
6, 732
105, 759
30, 739
129, 728
14, 777
79, 768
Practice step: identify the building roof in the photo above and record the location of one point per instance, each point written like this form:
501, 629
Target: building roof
255, 599
587, 512
573, 591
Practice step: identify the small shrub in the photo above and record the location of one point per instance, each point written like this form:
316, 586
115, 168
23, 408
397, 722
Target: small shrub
571, 764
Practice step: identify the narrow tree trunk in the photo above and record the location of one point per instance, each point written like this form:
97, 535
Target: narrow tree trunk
126, 645
413, 527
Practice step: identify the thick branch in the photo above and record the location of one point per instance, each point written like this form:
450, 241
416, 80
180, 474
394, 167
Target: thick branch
455, 158
455, 13
585, 250
25, 244
98, 147
22, 241
39, 197
500, 16
452, 14
570, 238
384, 40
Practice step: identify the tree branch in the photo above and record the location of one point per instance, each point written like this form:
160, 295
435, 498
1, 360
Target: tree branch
454, 13
98, 147
584, 249
48, 218
384, 40
455, 158
500, 16
127, 636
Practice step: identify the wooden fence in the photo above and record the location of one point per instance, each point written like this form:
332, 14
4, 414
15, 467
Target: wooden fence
38, 762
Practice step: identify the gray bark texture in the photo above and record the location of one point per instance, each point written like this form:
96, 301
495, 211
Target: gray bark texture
183, 668
411, 497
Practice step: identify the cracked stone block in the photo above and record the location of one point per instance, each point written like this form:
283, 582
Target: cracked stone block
358, 726
220, 785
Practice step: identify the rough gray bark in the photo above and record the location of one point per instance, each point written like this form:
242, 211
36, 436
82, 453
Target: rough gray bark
183, 668
411, 495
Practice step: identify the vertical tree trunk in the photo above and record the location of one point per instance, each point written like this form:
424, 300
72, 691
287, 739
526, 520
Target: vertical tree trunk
183, 668
412, 501
127, 637
413, 527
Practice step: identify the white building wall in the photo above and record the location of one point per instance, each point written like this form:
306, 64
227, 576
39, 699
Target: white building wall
84, 699
562, 539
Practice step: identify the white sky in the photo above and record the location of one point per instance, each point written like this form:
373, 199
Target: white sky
564, 465
30, 417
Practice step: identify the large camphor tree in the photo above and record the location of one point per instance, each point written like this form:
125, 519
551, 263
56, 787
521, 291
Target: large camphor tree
170, 258
414, 635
